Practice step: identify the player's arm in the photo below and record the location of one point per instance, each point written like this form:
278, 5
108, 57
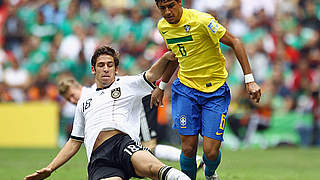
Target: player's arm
235, 43
68, 150
158, 68
157, 94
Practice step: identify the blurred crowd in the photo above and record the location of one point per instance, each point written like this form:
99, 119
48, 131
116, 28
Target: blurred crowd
44, 40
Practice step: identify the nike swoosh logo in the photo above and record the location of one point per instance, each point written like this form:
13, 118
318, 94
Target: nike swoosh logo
217, 133
163, 32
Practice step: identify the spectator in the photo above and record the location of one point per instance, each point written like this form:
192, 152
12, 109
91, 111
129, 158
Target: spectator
17, 79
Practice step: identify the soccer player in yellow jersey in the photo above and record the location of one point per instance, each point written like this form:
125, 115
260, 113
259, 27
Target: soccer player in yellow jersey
200, 94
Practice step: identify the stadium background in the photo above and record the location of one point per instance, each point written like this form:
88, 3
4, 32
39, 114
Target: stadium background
42, 41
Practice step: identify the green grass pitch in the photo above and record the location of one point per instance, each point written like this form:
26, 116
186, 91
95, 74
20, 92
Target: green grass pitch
249, 164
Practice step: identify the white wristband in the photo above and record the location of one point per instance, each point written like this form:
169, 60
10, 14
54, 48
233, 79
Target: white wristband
162, 85
248, 78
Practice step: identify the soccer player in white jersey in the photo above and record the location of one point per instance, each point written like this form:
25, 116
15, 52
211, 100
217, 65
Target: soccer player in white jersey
72, 90
107, 121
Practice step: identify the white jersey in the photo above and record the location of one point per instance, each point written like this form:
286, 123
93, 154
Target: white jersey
87, 90
116, 107
94, 86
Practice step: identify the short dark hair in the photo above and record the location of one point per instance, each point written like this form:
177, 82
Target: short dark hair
105, 50
157, 1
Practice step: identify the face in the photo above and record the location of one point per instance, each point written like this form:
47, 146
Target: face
105, 71
171, 10
73, 95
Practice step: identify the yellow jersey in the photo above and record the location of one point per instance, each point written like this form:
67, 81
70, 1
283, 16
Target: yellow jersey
195, 41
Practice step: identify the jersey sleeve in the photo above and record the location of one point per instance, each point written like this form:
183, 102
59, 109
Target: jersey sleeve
212, 28
141, 85
78, 124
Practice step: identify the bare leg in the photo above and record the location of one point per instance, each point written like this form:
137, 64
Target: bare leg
188, 157
146, 165
211, 148
189, 145
211, 157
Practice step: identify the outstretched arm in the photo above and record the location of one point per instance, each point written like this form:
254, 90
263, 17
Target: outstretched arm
68, 150
158, 68
157, 94
172, 66
252, 87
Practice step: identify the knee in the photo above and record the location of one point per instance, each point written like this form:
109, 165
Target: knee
211, 154
189, 150
150, 170
189, 145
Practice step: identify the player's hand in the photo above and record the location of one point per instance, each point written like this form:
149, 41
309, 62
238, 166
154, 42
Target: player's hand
170, 56
39, 174
156, 97
254, 91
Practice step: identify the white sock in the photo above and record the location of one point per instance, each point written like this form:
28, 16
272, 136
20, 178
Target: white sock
167, 152
170, 173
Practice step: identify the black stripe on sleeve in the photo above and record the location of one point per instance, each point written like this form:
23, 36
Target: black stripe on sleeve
77, 138
151, 84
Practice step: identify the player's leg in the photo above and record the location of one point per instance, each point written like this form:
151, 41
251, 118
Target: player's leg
167, 152
214, 113
171, 153
186, 114
188, 162
212, 136
137, 161
211, 156
149, 126
147, 165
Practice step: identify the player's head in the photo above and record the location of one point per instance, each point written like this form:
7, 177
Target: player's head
171, 10
70, 89
104, 65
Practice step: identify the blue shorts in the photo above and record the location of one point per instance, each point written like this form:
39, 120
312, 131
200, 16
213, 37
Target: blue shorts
197, 112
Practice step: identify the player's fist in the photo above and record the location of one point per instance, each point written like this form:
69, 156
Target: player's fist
39, 174
170, 56
156, 97
254, 91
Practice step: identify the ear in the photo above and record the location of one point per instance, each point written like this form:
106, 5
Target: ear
180, 2
117, 70
93, 71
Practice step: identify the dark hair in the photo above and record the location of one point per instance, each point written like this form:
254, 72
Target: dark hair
157, 1
105, 50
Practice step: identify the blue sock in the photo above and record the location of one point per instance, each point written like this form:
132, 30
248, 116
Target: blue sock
211, 166
188, 166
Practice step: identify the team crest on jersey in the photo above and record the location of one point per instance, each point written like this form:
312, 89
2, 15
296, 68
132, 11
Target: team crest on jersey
213, 26
115, 93
183, 121
187, 28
